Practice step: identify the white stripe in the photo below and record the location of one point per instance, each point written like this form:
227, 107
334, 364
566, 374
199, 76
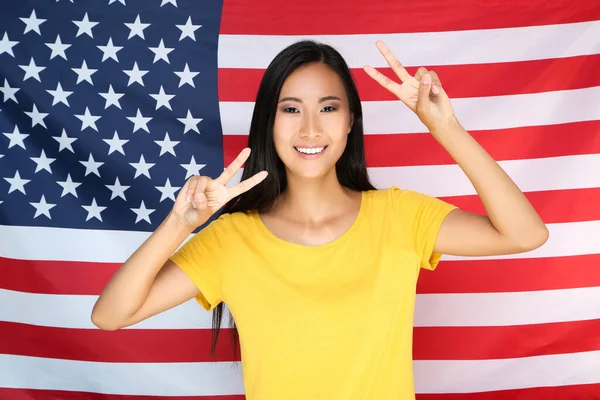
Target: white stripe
477, 309
158, 379
531, 175
427, 48
566, 239
220, 378
472, 376
74, 311
477, 113
503, 309
39, 243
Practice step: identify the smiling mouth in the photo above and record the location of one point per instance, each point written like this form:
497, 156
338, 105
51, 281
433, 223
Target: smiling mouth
310, 150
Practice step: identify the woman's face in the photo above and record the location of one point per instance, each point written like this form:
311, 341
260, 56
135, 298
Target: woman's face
312, 121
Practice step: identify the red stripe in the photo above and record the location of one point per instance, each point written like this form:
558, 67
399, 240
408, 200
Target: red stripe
571, 392
124, 345
554, 206
503, 144
440, 343
511, 275
30, 394
311, 17
498, 342
460, 81
465, 276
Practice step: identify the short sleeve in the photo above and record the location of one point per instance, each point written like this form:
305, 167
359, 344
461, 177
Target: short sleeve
201, 257
423, 215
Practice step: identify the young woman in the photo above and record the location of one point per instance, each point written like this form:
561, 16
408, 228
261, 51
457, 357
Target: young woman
317, 267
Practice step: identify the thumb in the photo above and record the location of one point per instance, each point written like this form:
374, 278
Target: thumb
424, 90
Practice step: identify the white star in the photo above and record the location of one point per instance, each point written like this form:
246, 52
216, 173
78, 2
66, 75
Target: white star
142, 167
136, 28
88, 120
9, 92
91, 166
190, 122
140, 122
69, 186
94, 210
135, 75
161, 52
16, 138
60, 95
186, 76
112, 98
6, 45
173, 2
32, 70
117, 189
85, 26
43, 162
114, 1
17, 183
65, 141
42, 208
142, 213
162, 99
188, 30
58, 48
84, 73
116, 144
167, 191
192, 168
167, 145
32, 23
37, 117
110, 51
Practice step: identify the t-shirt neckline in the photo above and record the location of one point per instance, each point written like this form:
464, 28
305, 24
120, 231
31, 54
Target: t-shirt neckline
345, 236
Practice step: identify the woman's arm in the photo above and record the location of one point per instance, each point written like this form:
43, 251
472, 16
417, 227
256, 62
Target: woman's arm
512, 225
149, 282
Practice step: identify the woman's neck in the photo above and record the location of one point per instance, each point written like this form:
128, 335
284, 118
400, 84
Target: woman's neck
314, 200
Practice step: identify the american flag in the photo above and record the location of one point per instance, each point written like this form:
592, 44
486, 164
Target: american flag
108, 106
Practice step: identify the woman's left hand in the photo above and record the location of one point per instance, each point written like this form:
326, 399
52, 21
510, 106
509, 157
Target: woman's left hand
422, 93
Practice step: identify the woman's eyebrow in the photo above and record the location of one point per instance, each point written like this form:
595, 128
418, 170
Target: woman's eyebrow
322, 99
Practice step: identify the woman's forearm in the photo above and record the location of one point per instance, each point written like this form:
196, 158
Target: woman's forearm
507, 207
129, 287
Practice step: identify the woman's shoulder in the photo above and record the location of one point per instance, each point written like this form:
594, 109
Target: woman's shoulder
395, 199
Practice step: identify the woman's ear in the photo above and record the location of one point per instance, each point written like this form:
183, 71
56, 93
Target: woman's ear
351, 123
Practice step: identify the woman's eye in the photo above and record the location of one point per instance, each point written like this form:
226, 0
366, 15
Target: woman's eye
328, 108
290, 109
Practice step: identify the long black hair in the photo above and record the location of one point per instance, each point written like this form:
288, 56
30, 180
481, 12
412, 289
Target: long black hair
351, 168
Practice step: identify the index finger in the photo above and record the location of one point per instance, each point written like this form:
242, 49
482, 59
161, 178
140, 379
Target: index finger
234, 167
248, 184
396, 66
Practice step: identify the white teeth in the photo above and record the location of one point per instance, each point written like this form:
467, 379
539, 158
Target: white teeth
314, 150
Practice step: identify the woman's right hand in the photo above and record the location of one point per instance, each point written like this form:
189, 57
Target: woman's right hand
202, 196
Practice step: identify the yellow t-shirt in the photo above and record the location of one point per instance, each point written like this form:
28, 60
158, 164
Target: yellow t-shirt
322, 322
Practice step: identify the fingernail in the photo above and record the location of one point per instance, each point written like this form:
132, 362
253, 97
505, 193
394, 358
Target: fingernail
435, 89
188, 196
426, 79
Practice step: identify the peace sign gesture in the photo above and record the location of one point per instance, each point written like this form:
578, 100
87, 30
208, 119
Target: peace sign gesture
202, 196
422, 93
